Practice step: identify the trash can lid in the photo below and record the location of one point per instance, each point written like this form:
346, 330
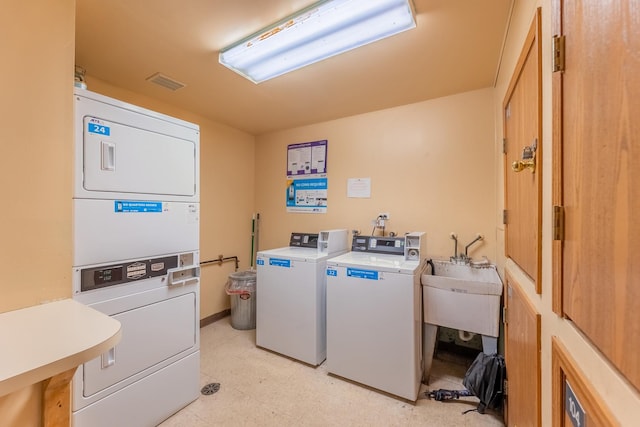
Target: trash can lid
243, 275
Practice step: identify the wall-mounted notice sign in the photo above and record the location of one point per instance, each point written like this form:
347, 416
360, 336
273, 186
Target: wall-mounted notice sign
359, 188
307, 158
307, 177
307, 195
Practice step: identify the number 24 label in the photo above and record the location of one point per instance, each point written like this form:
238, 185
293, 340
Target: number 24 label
99, 129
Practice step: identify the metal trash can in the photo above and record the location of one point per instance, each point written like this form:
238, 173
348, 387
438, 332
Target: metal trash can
241, 287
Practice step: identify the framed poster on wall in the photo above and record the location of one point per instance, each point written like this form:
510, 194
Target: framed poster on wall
307, 158
306, 185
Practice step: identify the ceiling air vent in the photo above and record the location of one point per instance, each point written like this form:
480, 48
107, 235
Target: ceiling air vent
164, 81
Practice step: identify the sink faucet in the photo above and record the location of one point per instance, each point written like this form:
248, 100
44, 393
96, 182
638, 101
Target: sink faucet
466, 248
457, 259
463, 258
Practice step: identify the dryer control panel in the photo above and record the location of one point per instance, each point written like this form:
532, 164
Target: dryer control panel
110, 275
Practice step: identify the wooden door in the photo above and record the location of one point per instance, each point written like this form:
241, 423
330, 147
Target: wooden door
522, 357
597, 175
522, 129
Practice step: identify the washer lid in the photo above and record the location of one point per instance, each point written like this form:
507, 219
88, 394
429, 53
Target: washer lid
294, 253
374, 261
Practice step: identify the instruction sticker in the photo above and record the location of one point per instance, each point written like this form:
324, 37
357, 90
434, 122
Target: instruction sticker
332, 272
137, 206
362, 274
277, 262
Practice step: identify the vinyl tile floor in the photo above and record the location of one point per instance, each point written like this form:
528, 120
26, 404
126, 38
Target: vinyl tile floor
262, 388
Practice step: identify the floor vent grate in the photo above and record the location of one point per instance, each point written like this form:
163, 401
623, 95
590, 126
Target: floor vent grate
210, 388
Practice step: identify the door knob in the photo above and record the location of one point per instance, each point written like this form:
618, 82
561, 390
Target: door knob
528, 160
520, 165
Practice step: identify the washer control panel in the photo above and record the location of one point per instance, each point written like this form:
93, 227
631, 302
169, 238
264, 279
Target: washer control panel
381, 245
304, 240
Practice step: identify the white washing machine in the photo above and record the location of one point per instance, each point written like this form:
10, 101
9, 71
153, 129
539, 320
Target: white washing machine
291, 295
374, 318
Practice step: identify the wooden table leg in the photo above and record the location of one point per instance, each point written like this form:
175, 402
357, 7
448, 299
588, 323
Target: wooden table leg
56, 398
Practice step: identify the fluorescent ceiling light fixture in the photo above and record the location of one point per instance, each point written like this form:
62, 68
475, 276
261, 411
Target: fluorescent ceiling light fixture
322, 30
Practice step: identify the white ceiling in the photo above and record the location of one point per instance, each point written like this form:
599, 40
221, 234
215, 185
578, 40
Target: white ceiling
455, 48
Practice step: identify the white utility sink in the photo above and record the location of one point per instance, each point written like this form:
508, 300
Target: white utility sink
460, 296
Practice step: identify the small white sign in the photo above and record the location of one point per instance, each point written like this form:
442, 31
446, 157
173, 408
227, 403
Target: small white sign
359, 188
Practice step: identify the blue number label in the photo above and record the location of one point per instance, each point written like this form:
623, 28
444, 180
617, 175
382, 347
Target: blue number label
99, 129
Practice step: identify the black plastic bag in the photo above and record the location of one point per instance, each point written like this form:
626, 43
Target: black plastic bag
485, 379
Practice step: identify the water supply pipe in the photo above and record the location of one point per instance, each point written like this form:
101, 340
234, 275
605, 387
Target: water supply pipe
222, 259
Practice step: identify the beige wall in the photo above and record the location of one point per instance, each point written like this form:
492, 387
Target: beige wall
431, 165
621, 398
226, 194
36, 125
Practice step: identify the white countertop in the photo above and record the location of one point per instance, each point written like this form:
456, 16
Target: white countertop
42, 341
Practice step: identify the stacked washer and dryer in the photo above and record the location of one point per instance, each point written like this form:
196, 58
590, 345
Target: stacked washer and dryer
136, 258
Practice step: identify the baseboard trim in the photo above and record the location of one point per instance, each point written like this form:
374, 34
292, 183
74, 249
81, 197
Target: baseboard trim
214, 317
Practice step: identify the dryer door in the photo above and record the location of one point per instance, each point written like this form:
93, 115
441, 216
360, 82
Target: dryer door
151, 335
125, 159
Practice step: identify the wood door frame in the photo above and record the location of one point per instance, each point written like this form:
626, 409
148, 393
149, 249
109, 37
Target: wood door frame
533, 37
556, 163
563, 367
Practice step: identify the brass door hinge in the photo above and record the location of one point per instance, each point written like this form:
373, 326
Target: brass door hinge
504, 217
558, 223
558, 53
504, 145
505, 387
504, 315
